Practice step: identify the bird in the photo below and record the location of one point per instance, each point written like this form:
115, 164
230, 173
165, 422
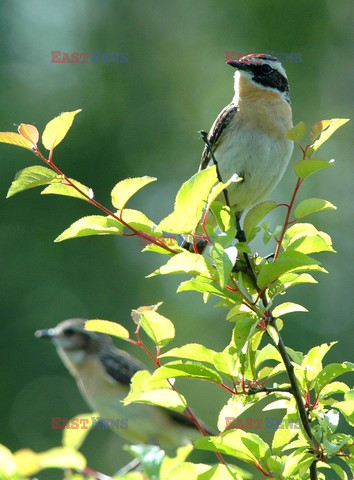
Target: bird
248, 137
103, 375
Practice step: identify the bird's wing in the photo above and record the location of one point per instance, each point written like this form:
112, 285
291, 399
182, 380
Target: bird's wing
216, 132
120, 366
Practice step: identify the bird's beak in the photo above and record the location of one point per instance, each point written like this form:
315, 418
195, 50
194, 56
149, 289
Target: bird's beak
45, 333
238, 65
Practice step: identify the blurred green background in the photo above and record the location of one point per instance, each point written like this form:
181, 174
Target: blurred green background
142, 118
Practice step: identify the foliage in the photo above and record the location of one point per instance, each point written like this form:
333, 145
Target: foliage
252, 365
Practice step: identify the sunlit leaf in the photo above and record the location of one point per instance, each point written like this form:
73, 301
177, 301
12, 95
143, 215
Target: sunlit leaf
7, 461
62, 457
144, 390
305, 168
185, 262
296, 134
326, 128
159, 328
237, 443
330, 372
77, 429
243, 331
91, 225
14, 138
29, 132
288, 261
347, 409
137, 220
57, 128
126, 188
202, 285
312, 205
169, 463
187, 370
190, 201
31, 177
234, 407
312, 362
105, 326
222, 263
64, 188
287, 307
27, 462
192, 351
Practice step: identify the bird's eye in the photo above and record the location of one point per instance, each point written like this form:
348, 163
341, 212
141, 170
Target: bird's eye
68, 332
266, 68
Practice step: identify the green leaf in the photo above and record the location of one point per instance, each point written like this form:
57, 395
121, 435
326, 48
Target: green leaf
169, 463
225, 219
312, 205
68, 190
192, 351
7, 462
31, 177
199, 471
305, 168
339, 471
57, 129
287, 307
297, 462
239, 310
190, 201
202, 285
273, 333
144, 390
243, 331
77, 429
150, 456
185, 262
91, 225
159, 328
347, 409
14, 138
333, 388
62, 457
283, 436
288, 261
222, 262
312, 362
168, 241
330, 372
188, 370
107, 327
125, 189
137, 220
255, 215
235, 406
325, 129
237, 443
296, 134
305, 238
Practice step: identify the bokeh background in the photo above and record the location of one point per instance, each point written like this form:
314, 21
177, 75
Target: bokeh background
142, 118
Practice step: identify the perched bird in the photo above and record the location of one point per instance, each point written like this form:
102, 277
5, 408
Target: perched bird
103, 374
249, 135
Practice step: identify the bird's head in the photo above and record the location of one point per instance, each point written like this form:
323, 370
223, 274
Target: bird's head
263, 72
71, 337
